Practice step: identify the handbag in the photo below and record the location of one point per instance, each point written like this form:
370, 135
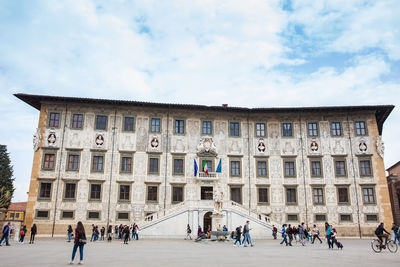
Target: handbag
82, 239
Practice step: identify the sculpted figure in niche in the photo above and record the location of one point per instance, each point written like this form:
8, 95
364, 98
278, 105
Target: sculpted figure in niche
36, 140
380, 146
218, 199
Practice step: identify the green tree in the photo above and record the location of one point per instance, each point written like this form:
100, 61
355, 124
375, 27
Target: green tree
6, 178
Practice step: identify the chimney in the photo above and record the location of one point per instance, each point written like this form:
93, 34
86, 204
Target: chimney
225, 105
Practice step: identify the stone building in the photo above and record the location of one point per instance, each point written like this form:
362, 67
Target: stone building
393, 180
119, 162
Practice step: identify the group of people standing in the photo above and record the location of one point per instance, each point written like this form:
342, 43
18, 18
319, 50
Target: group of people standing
246, 235
6, 233
302, 233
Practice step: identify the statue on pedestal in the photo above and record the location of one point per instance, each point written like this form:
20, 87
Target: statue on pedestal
218, 197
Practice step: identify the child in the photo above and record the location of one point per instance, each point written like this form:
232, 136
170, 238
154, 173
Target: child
334, 240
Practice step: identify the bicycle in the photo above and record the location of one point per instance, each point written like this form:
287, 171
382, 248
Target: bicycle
377, 245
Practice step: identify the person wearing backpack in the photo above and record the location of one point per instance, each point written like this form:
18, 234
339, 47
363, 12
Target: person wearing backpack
22, 234
188, 232
274, 231
238, 236
79, 241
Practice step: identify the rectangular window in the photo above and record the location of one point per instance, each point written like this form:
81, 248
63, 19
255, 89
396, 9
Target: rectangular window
123, 216
101, 122
179, 126
291, 197
129, 124
12, 216
209, 164
365, 168
320, 217
207, 127
289, 169
155, 125
94, 215
312, 129
178, 166
316, 170
336, 129
70, 190
261, 168
49, 161
152, 193
43, 214
126, 164
260, 129
340, 168
98, 163
67, 215
236, 194
318, 196
368, 195
16, 215
95, 192
292, 217
345, 217
73, 162
343, 195
287, 129
262, 195
124, 192
206, 193
45, 190
235, 168
360, 128
153, 165
54, 120
77, 121
234, 129
371, 217
177, 194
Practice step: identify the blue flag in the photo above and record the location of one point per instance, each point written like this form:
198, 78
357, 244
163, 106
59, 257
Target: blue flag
195, 168
219, 167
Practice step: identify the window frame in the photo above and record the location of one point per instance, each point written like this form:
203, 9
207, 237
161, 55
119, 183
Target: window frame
151, 124
95, 122
320, 214
50, 190
283, 129
67, 167
42, 218
260, 160
45, 153
373, 195
371, 214
239, 128
340, 128
258, 195
286, 195
201, 195
62, 217
316, 129
92, 163
120, 185
93, 219
173, 166
338, 195
292, 214
157, 193
211, 127
320, 166
235, 160
133, 124
82, 122
338, 159
153, 156
319, 196
122, 157
65, 198
345, 221
90, 191
236, 187
365, 128
49, 119
256, 130
183, 127
182, 187
122, 212
286, 160
363, 159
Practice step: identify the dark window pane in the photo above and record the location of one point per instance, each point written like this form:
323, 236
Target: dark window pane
95, 191
42, 214
126, 164
94, 215
207, 127
262, 195
54, 120
45, 190
177, 194
70, 191
343, 195
206, 193
49, 161
124, 192
101, 122
123, 216
152, 193
178, 166
236, 194
340, 167
336, 129
316, 168
345, 217
153, 167
128, 124
67, 214
179, 126
260, 129
234, 129
292, 217
155, 125
320, 217
291, 196
261, 168
287, 129
77, 120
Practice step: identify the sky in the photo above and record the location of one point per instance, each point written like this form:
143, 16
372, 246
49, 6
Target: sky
252, 53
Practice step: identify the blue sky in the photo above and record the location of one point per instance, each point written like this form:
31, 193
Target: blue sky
252, 53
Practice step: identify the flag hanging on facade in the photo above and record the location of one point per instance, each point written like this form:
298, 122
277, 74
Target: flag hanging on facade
205, 167
195, 168
219, 167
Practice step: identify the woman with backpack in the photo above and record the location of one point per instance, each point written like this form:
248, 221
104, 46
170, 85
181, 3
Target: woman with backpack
79, 241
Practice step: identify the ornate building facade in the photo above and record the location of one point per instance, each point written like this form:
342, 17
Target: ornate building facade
118, 162
393, 180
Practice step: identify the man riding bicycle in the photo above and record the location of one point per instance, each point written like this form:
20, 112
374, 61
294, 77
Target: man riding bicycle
379, 232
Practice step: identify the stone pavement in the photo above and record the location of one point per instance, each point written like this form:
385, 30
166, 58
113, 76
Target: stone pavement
164, 253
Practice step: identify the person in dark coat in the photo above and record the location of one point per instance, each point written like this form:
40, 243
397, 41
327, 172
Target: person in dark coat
33, 233
79, 241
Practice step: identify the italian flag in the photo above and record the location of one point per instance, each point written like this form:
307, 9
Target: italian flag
205, 167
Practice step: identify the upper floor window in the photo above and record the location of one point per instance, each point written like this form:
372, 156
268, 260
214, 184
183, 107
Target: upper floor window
101, 122
155, 125
98, 163
318, 195
365, 168
260, 129
126, 164
312, 129
77, 121
54, 120
235, 168
178, 166
262, 195
343, 195
209, 164
73, 162
316, 170
207, 127
336, 129
236, 194
291, 196
287, 129
368, 195
49, 161
262, 168
129, 124
340, 168
45, 190
361, 128
234, 129
152, 193
289, 169
177, 194
95, 191
153, 165
124, 192
70, 190
179, 126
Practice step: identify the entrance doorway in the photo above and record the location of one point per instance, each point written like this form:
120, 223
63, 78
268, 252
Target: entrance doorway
207, 221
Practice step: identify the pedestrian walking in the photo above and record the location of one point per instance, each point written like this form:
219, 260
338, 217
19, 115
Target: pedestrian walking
274, 231
109, 233
284, 235
289, 232
188, 232
238, 234
6, 233
316, 234
126, 234
246, 232
395, 234
102, 232
328, 229
33, 233
69, 232
79, 241
22, 234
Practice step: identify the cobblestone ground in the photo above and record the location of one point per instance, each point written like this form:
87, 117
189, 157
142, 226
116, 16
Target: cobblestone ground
57, 252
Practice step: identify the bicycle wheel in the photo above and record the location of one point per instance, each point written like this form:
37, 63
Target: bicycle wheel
376, 246
392, 246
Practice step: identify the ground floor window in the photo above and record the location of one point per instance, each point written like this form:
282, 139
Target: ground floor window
177, 194
206, 193
236, 194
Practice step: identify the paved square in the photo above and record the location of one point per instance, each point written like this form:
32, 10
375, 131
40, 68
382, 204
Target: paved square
57, 252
